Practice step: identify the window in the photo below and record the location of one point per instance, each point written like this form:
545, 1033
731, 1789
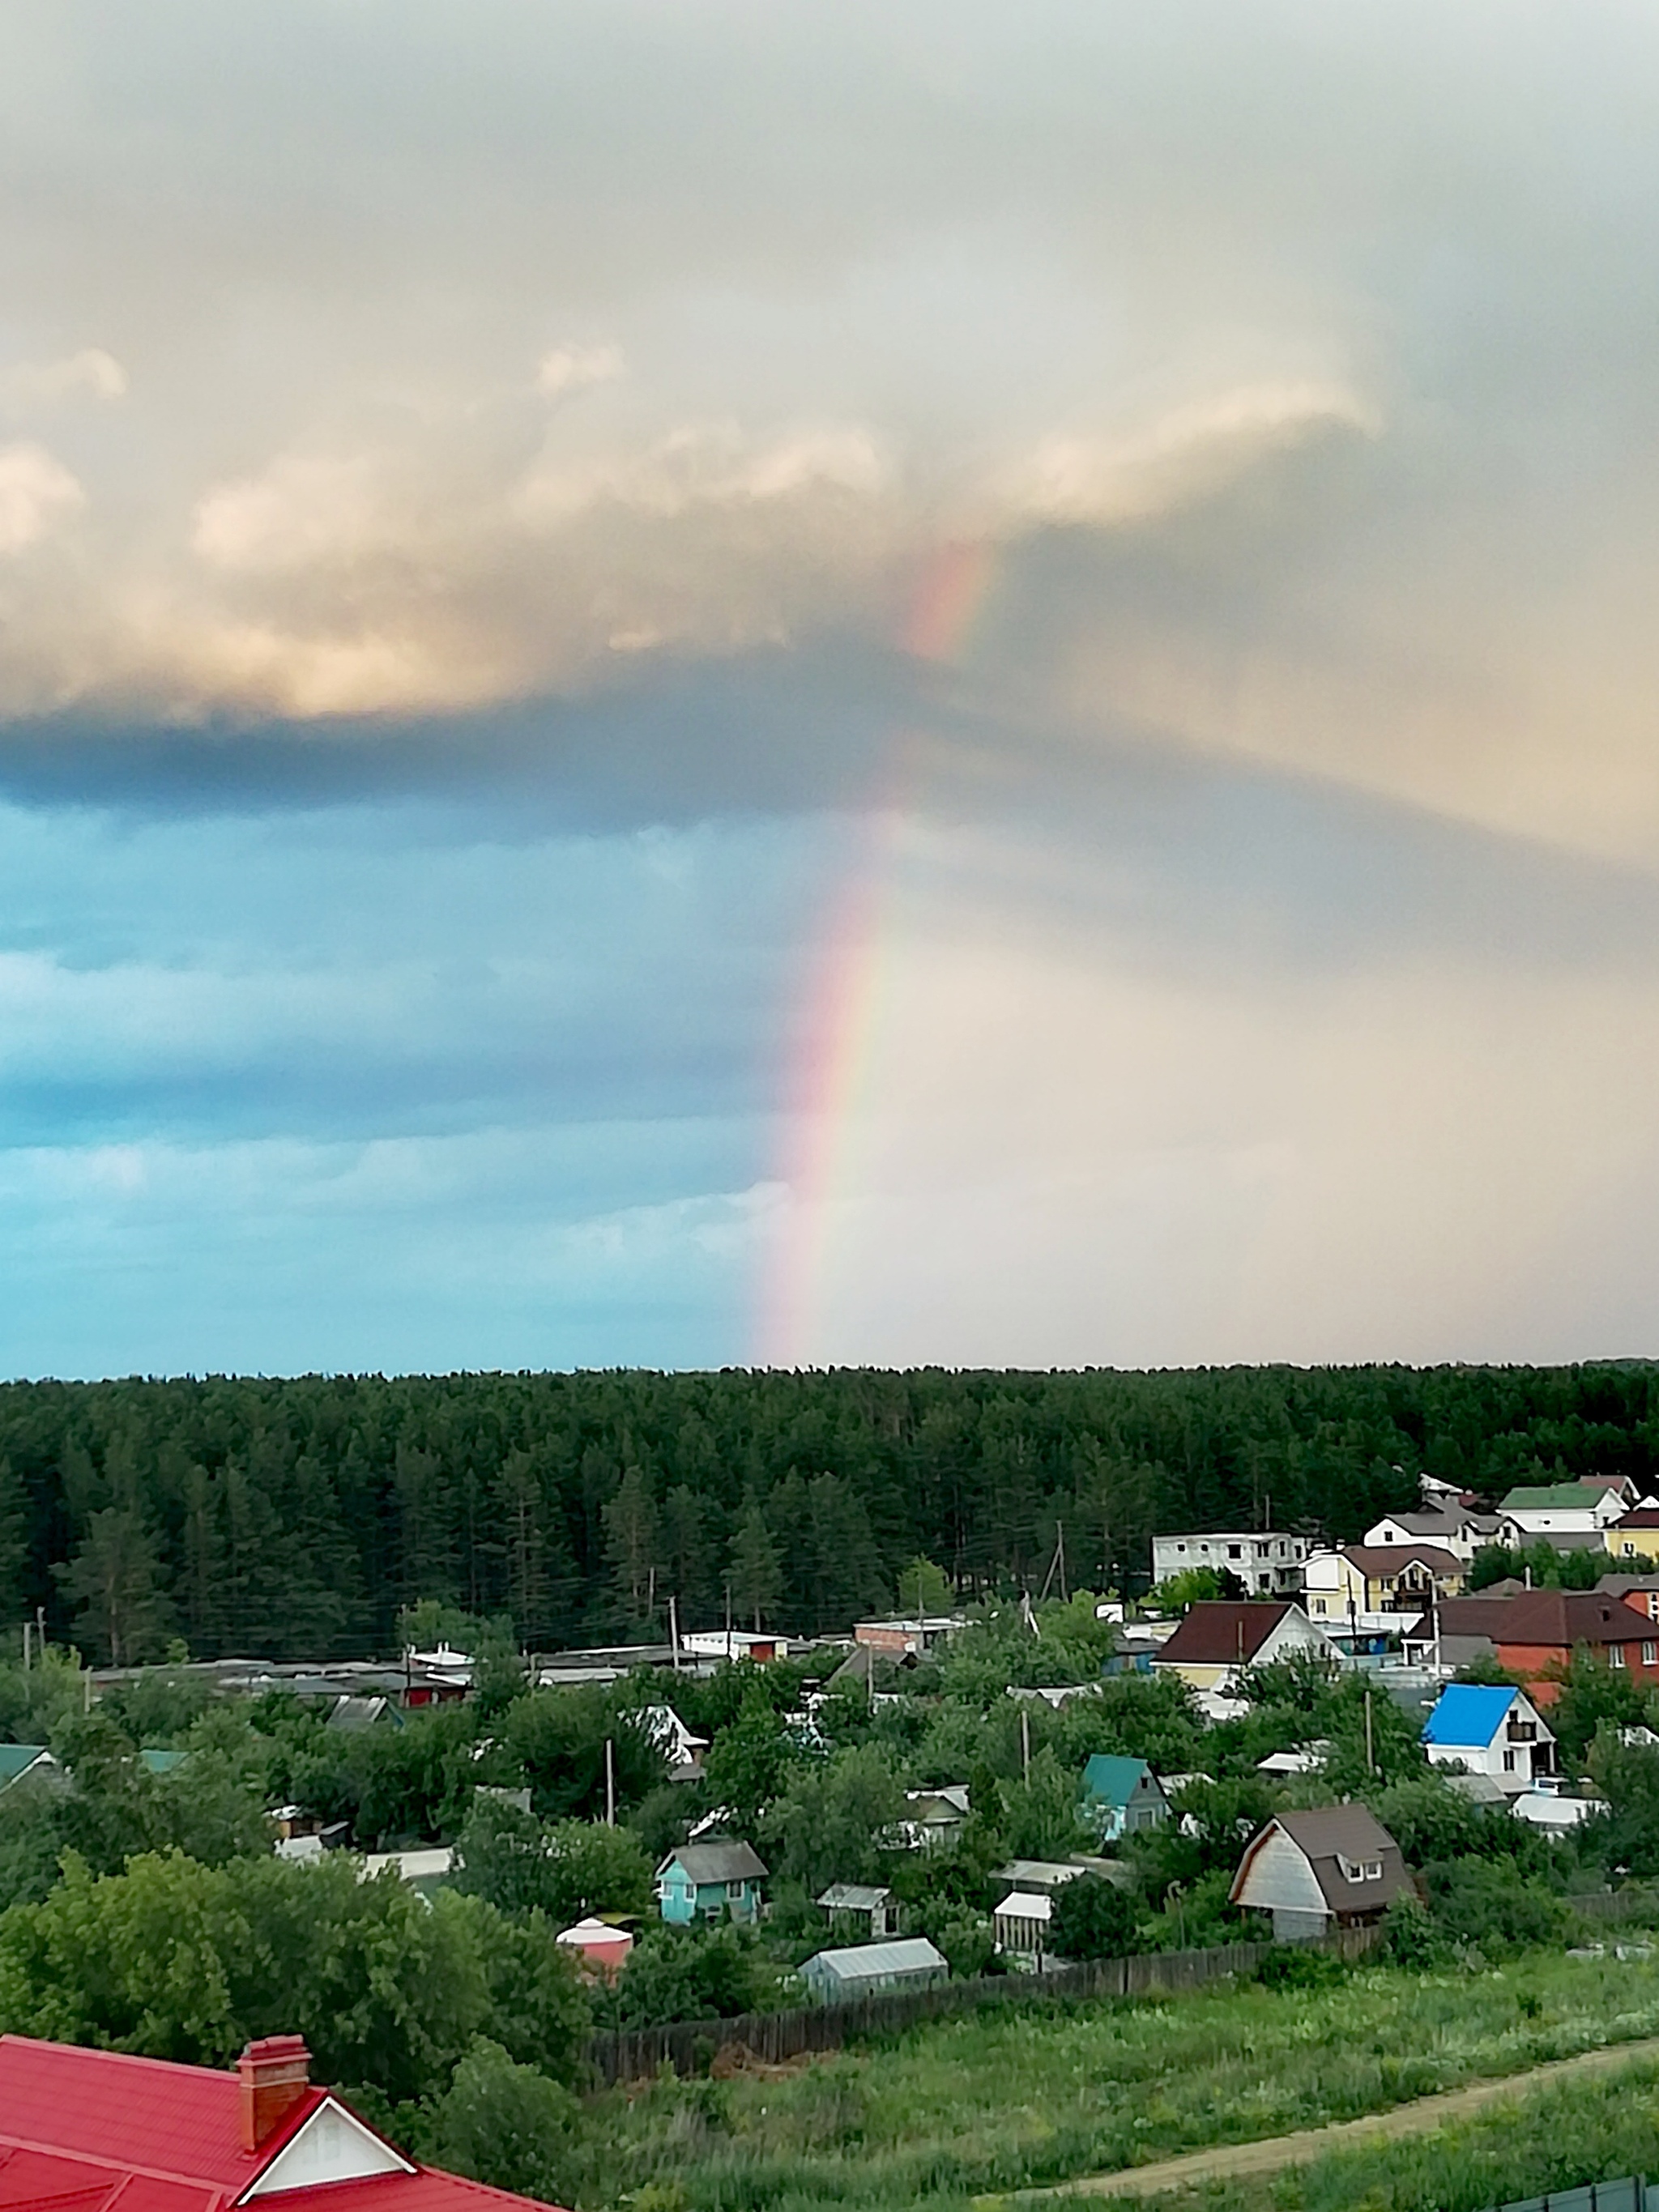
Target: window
734, 1891
1360, 1869
1508, 1762
1650, 1655
1235, 1551
1615, 1655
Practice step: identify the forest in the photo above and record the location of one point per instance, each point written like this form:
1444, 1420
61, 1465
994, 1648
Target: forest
295, 1518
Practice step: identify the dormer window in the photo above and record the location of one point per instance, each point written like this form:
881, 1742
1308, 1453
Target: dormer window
1360, 1869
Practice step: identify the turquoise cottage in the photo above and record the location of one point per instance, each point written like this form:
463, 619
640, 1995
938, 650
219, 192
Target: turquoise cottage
700, 1881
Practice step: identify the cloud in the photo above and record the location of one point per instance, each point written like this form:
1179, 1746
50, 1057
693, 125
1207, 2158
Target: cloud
36, 491
92, 374
571, 368
1190, 452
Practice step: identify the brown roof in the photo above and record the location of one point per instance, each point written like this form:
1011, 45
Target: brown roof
1326, 1837
1388, 1559
1217, 1632
1639, 1516
1561, 1618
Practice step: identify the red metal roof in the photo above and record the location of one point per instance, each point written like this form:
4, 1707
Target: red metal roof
103, 2131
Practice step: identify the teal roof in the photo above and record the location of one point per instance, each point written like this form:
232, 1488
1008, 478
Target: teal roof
16, 1758
163, 1762
1111, 1779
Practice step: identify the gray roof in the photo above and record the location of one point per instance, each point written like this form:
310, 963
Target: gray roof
911, 1955
852, 1896
710, 1863
1330, 1832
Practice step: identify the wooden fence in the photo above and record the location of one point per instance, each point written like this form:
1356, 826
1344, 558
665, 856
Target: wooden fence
1633, 1904
688, 2046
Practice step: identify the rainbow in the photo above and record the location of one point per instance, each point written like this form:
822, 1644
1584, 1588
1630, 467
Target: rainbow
833, 1070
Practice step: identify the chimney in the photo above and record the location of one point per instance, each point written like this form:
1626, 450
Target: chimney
275, 2073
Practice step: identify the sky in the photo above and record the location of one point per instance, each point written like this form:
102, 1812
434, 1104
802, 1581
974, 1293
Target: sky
685, 684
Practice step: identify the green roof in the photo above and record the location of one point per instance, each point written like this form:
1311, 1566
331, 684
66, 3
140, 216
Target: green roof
1557, 1497
16, 1758
1113, 1779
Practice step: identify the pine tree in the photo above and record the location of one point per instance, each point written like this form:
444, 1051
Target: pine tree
113, 1583
630, 1522
756, 1569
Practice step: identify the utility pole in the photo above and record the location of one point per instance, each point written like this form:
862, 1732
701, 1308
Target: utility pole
728, 1616
1024, 1742
674, 1633
609, 1784
1370, 1763
26, 1626
1060, 1552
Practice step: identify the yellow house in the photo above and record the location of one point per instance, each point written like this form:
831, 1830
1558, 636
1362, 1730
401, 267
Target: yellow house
1371, 1587
1636, 1537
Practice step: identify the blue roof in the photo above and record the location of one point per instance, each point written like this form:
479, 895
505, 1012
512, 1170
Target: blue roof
1111, 1779
1467, 1715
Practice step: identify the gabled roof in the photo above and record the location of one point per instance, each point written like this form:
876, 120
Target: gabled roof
1113, 1779
1565, 1618
1468, 1715
1332, 1838
1217, 1632
704, 1863
854, 1897
16, 1758
103, 2131
1389, 1559
1640, 1516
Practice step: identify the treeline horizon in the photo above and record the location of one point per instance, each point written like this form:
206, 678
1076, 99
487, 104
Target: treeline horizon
294, 1519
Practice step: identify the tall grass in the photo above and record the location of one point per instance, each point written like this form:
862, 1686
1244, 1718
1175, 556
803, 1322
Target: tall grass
996, 2102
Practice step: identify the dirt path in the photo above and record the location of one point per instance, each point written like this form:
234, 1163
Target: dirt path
1227, 2159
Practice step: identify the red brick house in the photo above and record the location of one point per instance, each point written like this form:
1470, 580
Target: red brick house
1535, 1633
99, 2131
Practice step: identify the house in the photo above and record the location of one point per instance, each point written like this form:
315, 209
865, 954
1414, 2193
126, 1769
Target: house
934, 1819
601, 1949
1365, 1587
911, 1638
669, 1735
1020, 1924
353, 1714
1636, 1537
1447, 1524
1336, 1867
1042, 1877
1534, 1636
864, 1968
735, 1644
1218, 1641
1266, 1563
859, 1909
1559, 1508
33, 1760
1640, 1590
96, 2129
1492, 1731
1122, 1796
700, 1881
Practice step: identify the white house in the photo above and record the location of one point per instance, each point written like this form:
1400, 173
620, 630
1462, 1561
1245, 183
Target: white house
1218, 1641
1491, 1730
1451, 1527
1268, 1563
1560, 1509
1335, 1866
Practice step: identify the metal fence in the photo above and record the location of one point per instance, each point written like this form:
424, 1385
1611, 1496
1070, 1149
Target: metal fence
688, 2046
1634, 2193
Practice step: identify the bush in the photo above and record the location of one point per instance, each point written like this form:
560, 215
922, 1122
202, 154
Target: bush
1093, 1918
1494, 1908
506, 2124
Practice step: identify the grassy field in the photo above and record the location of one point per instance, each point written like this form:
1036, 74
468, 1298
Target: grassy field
1556, 2139
1019, 2099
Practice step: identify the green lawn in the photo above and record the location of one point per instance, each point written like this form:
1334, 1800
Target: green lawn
1007, 2100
